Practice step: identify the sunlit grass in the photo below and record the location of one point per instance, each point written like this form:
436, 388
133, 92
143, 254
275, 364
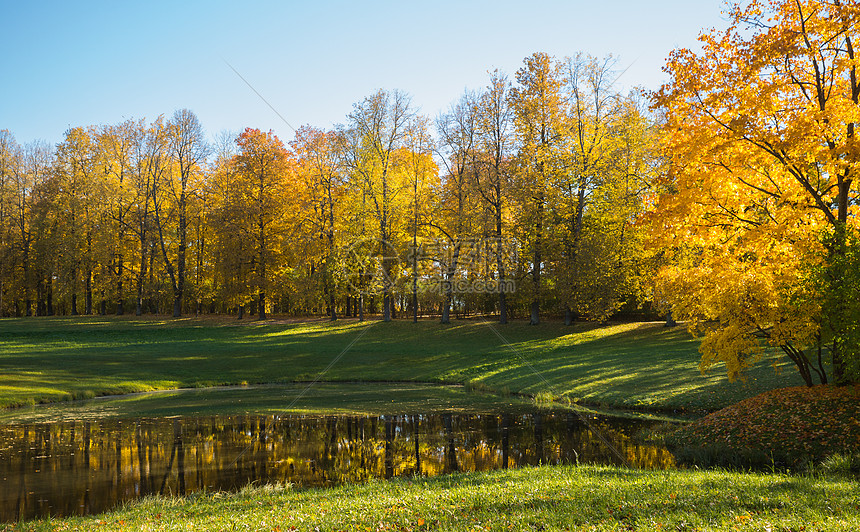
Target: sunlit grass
627, 365
548, 498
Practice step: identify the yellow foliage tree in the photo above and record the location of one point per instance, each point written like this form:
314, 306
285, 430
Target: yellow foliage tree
760, 132
318, 195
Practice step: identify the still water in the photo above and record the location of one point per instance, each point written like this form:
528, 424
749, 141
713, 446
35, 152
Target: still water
82, 467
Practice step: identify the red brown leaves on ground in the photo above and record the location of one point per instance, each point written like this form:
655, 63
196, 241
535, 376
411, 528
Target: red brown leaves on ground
803, 422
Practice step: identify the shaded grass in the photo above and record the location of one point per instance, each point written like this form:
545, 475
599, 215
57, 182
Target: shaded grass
639, 365
547, 498
299, 398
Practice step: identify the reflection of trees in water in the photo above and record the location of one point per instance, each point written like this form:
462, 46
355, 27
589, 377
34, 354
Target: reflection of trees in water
85, 467
177, 453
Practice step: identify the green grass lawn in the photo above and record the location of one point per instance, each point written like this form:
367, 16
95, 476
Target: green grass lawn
546, 498
353, 399
639, 365
626, 365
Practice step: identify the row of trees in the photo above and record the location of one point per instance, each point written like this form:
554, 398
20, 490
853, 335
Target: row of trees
520, 198
88, 221
548, 193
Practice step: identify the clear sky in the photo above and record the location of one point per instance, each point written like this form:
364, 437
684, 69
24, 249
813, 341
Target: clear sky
66, 64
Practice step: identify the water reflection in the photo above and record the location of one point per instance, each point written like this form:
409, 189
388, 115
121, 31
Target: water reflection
87, 466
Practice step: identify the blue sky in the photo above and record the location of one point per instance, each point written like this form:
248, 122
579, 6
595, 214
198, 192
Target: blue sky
67, 64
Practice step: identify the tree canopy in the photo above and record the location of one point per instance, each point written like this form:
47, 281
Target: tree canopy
759, 134
383, 214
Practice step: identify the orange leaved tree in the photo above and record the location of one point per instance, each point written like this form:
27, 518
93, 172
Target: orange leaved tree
759, 130
263, 172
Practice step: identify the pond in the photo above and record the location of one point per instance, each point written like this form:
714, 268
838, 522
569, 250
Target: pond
85, 457
90, 464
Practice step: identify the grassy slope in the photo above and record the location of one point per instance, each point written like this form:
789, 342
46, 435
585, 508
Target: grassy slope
548, 498
631, 365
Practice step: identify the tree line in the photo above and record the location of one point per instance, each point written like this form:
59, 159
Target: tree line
520, 200
726, 199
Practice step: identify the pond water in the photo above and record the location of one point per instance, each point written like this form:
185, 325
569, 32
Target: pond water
81, 467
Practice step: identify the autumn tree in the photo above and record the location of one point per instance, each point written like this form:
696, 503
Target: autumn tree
185, 151
456, 197
135, 209
21, 184
119, 149
760, 129
9, 166
495, 143
79, 200
538, 108
318, 194
262, 168
422, 173
199, 266
623, 267
609, 162
231, 249
149, 166
39, 224
378, 127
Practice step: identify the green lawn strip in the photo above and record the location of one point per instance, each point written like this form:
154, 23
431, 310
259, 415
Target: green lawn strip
299, 398
545, 498
340, 398
640, 365
798, 422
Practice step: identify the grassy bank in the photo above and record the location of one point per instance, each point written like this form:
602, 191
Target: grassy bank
627, 365
353, 399
548, 498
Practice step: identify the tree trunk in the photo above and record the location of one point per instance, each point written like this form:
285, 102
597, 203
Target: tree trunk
536, 268
836, 252
120, 310
670, 322
386, 305
141, 274
414, 282
500, 266
49, 296
179, 291
88, 305
28, 302
261, 305
449, 289
446, 304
